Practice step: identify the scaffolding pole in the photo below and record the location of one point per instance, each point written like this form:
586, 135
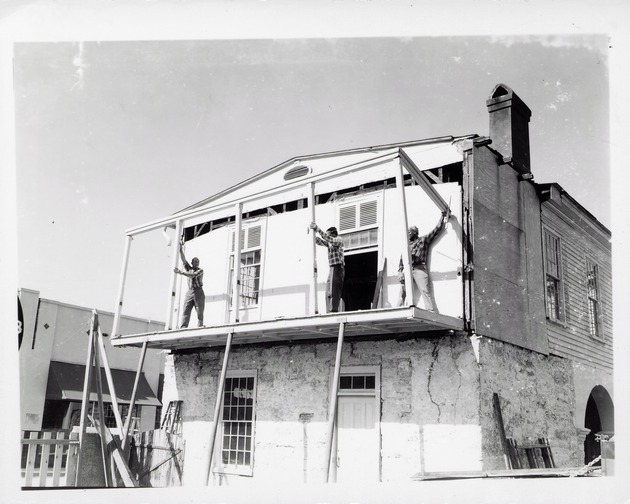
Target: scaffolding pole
311, 204
332, 406
217, 406
236, 279
132, 403
406, 255
173, 278
121, 286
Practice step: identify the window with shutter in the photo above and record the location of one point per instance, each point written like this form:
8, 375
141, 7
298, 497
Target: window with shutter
251, 260
358, 224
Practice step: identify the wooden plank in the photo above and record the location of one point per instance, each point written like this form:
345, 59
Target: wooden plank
217, 406
72, 459
545, 452
121, 463
417, 174
59, 449
125, 431
31, 456
379, 284
332, 405
499, 418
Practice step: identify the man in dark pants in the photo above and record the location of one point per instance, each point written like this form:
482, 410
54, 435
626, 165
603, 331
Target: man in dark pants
336, 274
195, 295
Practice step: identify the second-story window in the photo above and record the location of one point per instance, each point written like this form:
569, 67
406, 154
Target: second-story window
553, 277
251, 258
358, 224
592, 292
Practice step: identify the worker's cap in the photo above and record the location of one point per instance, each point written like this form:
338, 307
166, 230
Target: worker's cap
413, 229
332, 229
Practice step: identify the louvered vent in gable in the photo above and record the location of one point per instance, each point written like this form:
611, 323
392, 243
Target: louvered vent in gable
296, 172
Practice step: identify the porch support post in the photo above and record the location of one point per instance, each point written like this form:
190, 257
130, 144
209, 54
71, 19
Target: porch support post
217, 406
311, 204
121, 286
332, 405
125, 431
173, 278
406, 257
236, 279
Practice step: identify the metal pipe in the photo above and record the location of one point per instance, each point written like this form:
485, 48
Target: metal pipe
121, 286
217, 406
332, 407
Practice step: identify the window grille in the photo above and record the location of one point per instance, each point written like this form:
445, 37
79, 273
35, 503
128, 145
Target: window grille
592, 289
553, 280
237, 445
251, 260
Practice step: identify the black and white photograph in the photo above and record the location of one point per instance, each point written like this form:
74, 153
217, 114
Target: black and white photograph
338, 251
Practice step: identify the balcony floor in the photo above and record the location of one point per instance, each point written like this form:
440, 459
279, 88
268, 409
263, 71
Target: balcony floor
407, 319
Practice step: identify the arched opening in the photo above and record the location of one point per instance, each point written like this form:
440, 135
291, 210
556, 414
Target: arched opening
600, 419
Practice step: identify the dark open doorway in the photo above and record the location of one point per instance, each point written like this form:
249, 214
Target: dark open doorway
600, 419
360, 281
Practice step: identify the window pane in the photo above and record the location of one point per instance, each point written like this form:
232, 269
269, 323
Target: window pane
345, 382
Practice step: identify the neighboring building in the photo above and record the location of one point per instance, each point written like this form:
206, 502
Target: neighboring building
416, 387
578, 299
53, 356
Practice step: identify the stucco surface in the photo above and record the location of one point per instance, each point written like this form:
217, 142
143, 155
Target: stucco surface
429, 387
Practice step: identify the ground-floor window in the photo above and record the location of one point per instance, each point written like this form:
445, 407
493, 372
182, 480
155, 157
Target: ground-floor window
237, 442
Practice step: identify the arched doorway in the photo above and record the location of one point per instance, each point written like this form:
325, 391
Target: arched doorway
599, 418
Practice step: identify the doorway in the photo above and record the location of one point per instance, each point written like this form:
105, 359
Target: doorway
357, 426
360, 281
599, 418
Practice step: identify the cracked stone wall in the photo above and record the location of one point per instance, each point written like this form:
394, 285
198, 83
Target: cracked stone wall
424, 382
537, 399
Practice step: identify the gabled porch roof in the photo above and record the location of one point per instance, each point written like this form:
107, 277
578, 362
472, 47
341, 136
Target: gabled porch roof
384, 321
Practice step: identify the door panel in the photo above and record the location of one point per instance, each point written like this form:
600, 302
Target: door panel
357, 439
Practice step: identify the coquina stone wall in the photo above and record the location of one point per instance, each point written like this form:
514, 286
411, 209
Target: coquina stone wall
436, 404
537, 399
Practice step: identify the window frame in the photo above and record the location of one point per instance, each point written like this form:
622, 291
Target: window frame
594, 322
245, 250
561, 318
219, 467
357, 202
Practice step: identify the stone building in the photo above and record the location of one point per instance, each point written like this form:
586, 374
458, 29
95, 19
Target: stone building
413, 391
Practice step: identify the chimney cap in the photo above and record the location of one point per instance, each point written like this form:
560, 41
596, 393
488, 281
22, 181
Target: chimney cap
503, 96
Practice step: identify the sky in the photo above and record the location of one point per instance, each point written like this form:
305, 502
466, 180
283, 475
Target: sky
111, 135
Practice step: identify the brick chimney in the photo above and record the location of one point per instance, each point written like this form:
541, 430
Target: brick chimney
509, 127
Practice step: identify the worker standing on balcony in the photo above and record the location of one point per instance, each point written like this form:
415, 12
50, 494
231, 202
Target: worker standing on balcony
195, 295
419, 251
336, 273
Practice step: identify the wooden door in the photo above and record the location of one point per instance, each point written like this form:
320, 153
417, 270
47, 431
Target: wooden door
357, 439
